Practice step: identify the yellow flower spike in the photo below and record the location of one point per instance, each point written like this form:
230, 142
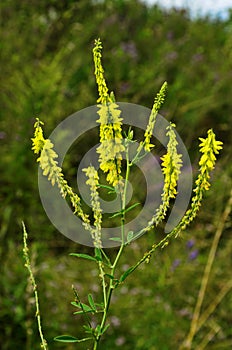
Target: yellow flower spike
93, 182
99, 73
110, 122
209, 147
38, 139
159, 99
50, 168
171, 165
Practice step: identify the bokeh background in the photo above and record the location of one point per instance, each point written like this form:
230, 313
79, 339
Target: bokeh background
47, 71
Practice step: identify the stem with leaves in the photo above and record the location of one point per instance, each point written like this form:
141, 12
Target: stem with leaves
107, 295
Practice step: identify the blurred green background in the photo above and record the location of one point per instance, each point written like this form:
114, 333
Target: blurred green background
47, 71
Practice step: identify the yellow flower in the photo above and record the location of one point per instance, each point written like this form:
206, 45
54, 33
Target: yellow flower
171, 165
209, 147
49, 165
159, 99
38, 139
93, 182
99, 73
111, 145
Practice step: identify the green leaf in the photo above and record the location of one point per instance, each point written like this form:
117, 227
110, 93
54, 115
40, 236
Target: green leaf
98, 330
66, 339
121, 212
110, 276
70, 339
84, 256
126, 273
116, 214
74, 303
116, 239
84, 308
101, 305
88, 329
131, 207
81, 312
111, 189
105, 328
91, 302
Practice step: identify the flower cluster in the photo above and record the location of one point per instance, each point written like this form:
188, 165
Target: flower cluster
49, 165
171, 165
159, 99
209, 147
99, 73
38, 139
93, 182
111, 147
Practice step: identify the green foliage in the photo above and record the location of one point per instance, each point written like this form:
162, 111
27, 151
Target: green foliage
47, 71
144, 49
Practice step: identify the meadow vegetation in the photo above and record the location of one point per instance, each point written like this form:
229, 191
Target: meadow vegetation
47, 72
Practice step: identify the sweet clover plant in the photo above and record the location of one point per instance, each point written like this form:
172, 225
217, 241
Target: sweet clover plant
113, 149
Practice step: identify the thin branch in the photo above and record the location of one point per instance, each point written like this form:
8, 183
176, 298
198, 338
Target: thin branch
32, 278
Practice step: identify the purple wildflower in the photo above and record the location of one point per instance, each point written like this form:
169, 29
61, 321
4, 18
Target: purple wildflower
175, 264
190, 243
120, 341
115, 321
193, 254
2, 135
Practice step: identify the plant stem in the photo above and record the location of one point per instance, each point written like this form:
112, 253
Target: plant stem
32, 278
107, 295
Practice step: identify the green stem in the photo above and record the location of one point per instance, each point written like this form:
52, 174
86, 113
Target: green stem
148, 254
107, 295
34, 285
102, 276
95, 345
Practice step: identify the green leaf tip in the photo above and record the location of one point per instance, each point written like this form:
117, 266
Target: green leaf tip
70, 339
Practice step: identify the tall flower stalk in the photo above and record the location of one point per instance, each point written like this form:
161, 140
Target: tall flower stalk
112, 149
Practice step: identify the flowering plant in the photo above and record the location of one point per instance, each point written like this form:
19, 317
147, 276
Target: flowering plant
113, 147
